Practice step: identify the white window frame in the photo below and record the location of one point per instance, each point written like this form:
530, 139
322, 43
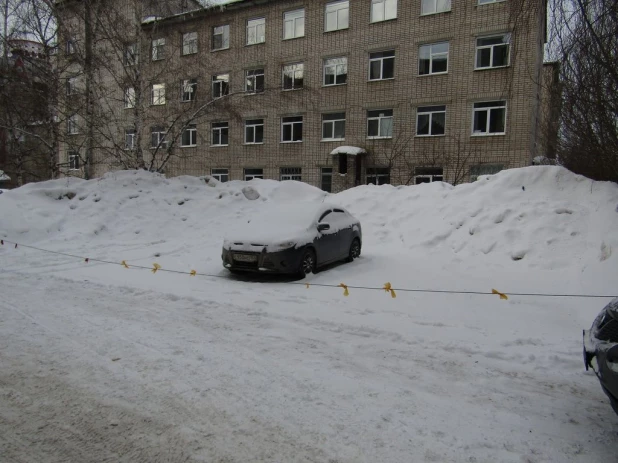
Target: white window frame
506, 41
373, 172
490, 169
189, 43
294, 68
335, 8
254, 78
224, 32
157, 95
295, 18
430, 110
432, 177
247, 176
161, 134
290, 173
72, 124
433, 55
380, 120
131, 55
158, 49
73, 160
129, 98
254, 25
487, 2
499, 104
221, 82
129, 139
191, 130
188, 87
220, 129
429, 7
380, 6
71, 86
251, 125
333, 124
326, 172
381, 59
219, 172
336, 66
70, 46
291, 124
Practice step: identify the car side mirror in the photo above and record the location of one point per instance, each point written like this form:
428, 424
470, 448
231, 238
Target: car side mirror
323, 227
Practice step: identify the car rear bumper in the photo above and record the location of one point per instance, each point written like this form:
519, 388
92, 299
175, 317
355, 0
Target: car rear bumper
286, 261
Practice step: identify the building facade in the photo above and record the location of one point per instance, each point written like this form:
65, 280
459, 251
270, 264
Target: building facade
333, 93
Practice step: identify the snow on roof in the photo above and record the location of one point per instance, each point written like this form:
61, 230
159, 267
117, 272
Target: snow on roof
4, 177
352, 150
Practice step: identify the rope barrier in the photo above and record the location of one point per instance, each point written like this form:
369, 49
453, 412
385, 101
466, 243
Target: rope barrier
386, 287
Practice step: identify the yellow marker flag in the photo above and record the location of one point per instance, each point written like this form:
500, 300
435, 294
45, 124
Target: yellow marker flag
389, 289
155, 267
124, 264
502, 295
193, 273
345, 289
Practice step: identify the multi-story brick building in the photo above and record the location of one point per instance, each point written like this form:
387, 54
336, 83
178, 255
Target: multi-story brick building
331, 92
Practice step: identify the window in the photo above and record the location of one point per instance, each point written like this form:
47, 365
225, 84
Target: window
219, 134
291, 129
157, 137
382, 10
129, 139
254, 80
430, 120
250, 174
256, 31
73, 160
290, 173
336, 16
484, 169
71, 84
333, 126
378, 175
489, 118
188, 89
72, 127
189, 43
223, 175
335, 71
189, 136
129, 97
382, 65
428, 175
158, 94
71, 49
254, 131
380, 123
294, 24
158, 49
221, 37
485, 2
433, 58
326, 179
220, 85
131, 55
492, 52
435, 6
293, 76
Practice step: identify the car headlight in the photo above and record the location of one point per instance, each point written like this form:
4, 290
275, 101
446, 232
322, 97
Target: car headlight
281, 246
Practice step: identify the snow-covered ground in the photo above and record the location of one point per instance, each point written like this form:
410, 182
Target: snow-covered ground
103, 363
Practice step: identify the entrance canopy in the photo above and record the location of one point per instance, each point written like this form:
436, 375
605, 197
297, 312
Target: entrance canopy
351, 150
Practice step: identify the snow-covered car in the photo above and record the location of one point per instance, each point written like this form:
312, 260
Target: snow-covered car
295, 238
601, 350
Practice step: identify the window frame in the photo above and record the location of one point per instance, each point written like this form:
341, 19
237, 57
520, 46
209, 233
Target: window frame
494, 167
246, 174
219, 128
430, 110
253, 124
326, 172
294, 79
157, 94
222, 84
71, 47
191, 130
431, 57
292, 124
384, 9
381, 59
189, 43
254, 77
225, 30
380, 119
131, 54
256, 28
334, 124
427, 173
129, 98
508, 43
218, 175
129, 134
161, 134
73, 160
435, 7
334, 5
185, 85
325, 65
157, 49
291, 173
72, 124
378, 175
293, 18
488, 109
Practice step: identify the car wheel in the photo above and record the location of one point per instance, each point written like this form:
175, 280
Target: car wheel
307, 263
355, 250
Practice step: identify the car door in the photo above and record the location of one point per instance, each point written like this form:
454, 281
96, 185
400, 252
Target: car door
343, 222
326, 242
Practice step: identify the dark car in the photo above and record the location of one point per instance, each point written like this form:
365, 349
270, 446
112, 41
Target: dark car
601, 350
295, 238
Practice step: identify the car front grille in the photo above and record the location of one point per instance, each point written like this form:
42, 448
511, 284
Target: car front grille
608, 329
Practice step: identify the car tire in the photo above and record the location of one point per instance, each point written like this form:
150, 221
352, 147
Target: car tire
307, 263
355, 250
